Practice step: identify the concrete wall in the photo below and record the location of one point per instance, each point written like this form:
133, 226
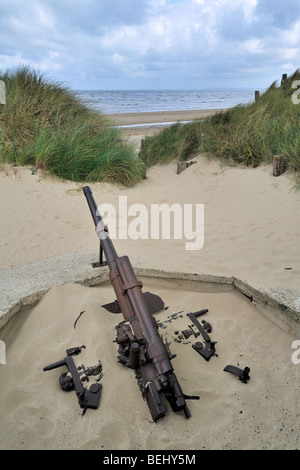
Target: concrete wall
22, 286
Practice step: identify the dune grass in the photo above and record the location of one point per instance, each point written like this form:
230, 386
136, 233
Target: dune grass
45, 125
248, 134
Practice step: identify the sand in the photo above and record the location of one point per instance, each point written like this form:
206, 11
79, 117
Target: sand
37, 414
251, 222
130, 119
139, 125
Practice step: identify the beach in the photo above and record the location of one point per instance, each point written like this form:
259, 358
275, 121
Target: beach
132, 119
139, 125
250, 231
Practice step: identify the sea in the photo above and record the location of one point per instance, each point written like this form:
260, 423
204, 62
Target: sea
141, 101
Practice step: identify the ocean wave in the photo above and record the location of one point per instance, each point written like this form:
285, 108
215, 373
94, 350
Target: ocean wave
116, 102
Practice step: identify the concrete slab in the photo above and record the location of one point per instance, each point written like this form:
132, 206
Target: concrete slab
22, 286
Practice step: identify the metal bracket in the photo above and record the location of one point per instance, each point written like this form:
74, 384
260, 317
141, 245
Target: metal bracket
87, 398
208, 349
243, 375
101, 262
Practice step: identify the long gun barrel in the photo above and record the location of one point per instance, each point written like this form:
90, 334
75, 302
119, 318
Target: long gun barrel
140, 345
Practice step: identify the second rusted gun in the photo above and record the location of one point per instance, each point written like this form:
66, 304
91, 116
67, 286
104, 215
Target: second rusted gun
141, 347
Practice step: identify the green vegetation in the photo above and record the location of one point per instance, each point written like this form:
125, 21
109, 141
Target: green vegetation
45, 125
248, 134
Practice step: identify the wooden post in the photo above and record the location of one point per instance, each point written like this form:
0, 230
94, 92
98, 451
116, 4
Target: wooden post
2, 92
141, 148
257, 95
278, 165
181, 166
284, 78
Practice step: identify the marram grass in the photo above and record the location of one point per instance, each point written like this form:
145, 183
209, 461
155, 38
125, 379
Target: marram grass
247, 134
45, 125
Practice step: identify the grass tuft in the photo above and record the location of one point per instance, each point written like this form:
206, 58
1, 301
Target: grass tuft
45, 125
246, 134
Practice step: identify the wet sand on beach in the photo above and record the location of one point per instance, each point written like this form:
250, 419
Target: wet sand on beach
160, 116
142, 124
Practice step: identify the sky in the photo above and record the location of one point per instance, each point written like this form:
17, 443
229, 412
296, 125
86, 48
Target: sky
152, 44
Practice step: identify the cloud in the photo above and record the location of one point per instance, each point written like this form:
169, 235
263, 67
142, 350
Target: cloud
278, 14
152, 43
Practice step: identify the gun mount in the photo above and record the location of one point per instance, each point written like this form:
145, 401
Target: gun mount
141, 347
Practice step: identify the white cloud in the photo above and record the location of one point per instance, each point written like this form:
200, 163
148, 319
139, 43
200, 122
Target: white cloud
89, 43
118, 58
291, 37
254, 46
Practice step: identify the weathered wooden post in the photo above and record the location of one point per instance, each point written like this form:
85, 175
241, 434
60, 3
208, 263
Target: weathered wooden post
284, 78
181, 166
257, 95
2, 93
278, 165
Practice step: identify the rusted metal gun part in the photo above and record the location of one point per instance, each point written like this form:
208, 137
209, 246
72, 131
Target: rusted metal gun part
206, 350
243, 375
140, 345
154, 302
87, 397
